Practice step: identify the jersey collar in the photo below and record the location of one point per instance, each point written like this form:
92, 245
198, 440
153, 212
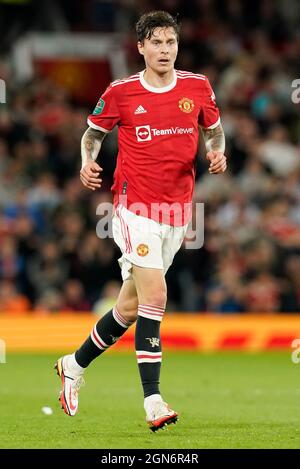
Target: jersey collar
154, 89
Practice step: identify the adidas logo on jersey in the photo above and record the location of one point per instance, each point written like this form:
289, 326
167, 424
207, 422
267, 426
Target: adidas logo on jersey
140, 110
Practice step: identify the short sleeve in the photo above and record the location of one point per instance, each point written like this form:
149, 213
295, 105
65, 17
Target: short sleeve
106, 113
209, 116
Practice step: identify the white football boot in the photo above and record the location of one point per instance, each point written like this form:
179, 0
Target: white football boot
158, 413
71, 383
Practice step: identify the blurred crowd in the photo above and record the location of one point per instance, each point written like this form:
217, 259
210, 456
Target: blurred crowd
50, 256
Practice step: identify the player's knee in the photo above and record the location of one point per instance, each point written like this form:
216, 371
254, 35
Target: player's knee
128, 310
130, 316
156, 298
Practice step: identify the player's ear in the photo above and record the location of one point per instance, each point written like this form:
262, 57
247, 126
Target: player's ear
140, 46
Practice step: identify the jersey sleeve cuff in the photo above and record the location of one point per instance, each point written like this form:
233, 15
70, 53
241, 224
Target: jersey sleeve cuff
213, 126
97, 127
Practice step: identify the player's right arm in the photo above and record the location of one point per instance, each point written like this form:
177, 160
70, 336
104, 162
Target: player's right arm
90, 146
103, 119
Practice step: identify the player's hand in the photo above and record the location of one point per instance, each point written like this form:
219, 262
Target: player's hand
90, 175
218, 162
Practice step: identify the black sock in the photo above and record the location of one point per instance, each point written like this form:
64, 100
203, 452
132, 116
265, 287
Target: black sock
148, 347
104, 334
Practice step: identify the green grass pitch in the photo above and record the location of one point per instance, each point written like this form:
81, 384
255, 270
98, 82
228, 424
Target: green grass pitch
225, 400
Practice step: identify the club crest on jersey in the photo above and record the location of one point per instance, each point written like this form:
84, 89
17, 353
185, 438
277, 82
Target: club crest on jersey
142, 250
186, 105
99, 107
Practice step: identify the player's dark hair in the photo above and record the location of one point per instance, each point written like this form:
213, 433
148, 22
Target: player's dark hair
155, 19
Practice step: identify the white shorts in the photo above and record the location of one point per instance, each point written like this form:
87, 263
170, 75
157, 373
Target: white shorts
144, 242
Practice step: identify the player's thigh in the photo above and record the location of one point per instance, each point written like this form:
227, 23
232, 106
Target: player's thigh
150, 285
173, 240
127, 303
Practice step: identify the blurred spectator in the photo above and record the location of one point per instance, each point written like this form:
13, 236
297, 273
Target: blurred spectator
263, 294
220, 301
11, 264
108, 298
74, 299
44, 194
11, 301
50, 301
278, 154
46, 270
97, 263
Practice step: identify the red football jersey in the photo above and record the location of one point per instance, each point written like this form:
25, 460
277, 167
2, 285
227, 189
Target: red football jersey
158, 141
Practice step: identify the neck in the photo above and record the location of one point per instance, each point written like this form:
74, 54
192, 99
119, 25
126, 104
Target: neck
158, 80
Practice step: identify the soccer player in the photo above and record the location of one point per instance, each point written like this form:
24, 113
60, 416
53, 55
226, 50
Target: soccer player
158, 112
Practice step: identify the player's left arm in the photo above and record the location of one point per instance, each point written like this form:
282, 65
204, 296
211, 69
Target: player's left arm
214, 140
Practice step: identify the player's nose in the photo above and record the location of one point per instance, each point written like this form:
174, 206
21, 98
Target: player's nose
164, 48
